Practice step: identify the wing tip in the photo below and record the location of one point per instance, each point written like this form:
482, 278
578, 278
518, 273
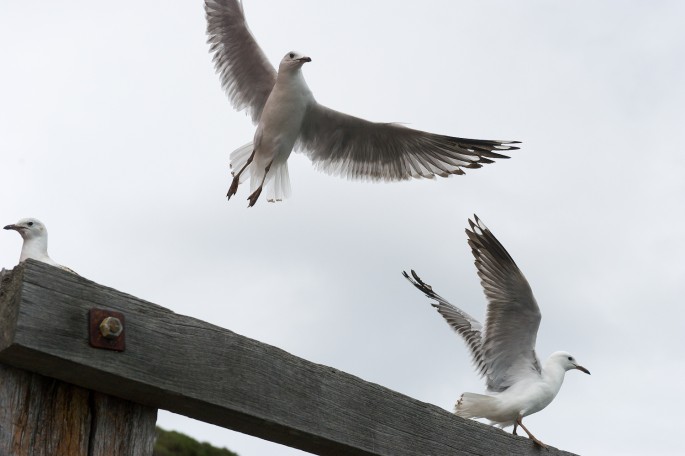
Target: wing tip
477, 226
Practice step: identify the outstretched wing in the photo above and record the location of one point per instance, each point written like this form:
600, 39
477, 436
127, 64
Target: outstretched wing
513, 316
351, 147
464, 324
246, 74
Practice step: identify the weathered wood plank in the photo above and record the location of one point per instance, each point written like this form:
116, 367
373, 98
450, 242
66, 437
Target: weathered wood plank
41, 416
211, 374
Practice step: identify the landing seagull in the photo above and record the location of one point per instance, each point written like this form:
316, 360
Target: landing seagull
35, 245
288, 116
504, 350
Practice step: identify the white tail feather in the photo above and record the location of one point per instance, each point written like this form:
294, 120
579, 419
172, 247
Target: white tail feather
256, 175
277, 183
471, 405
278, 188
238, 159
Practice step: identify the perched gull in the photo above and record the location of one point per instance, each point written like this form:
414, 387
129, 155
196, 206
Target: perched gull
503, 350
35, 245
287, 116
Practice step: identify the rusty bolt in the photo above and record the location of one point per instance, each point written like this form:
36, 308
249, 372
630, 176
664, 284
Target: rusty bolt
111, 328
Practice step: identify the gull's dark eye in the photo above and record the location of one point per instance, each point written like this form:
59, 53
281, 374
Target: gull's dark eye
570, 358
292, 55
30, 224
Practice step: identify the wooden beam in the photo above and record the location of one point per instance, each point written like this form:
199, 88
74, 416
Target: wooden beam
191, 367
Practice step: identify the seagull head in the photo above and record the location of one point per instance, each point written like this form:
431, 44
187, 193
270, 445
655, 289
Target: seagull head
293, 61
29, 228
567, 361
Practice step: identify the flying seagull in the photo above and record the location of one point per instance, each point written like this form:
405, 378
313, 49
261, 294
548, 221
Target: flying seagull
35, 245
288, 116
503, 351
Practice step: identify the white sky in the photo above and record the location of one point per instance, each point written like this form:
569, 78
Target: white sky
114, 132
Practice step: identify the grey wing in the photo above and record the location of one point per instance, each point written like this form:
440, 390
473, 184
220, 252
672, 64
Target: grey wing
513, 316
246, 74
464, 324
345, 145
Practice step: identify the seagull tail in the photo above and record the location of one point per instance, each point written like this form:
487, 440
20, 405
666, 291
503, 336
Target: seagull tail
238, 159
278, 186
472, 405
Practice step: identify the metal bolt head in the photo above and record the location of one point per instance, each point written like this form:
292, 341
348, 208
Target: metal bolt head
111, 328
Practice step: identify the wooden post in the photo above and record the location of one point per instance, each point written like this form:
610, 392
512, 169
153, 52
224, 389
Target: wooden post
191, 367
41, 416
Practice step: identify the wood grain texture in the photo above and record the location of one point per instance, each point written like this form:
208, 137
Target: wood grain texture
41, 416
191, 367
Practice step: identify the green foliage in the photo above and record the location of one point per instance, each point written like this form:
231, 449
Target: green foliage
172, 443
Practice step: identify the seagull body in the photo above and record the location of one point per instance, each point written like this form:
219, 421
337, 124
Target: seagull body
35, 245
528, 395
278, 129
503, 350
288, 117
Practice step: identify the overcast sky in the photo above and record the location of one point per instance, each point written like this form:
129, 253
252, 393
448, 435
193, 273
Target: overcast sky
114, 131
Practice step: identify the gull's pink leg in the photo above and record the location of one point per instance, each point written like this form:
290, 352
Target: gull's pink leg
255, 195
236, 178
530, 436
